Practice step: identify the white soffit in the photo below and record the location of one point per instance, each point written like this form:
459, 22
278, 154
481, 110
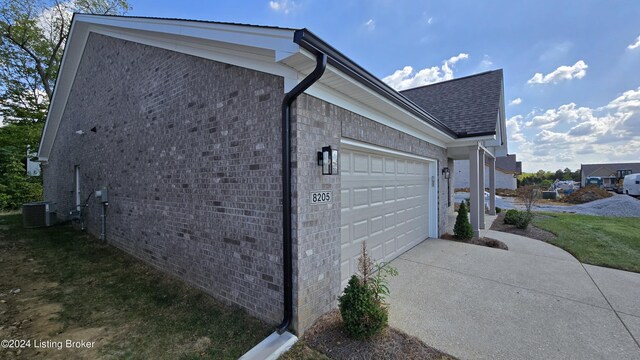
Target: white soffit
265, 49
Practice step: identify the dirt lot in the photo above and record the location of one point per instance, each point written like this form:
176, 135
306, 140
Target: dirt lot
27, 314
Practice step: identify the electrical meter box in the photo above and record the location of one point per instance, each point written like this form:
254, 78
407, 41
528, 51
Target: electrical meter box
102, 195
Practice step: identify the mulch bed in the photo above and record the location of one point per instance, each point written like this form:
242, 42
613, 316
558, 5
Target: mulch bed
328, 337
531, 231
488, 242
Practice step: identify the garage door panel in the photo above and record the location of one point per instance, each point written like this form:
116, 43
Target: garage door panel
345, 267
376, 164
377, 225
377, 195
390, 247
360, 230
345, 234
401, 167
377, 252
389, 165
390, 193
360, 163
360, 196
386, 206
389, 220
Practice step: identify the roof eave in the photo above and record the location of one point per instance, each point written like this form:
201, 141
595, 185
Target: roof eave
312, 43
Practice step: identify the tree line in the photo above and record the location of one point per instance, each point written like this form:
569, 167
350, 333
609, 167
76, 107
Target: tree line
33, 34
544, 179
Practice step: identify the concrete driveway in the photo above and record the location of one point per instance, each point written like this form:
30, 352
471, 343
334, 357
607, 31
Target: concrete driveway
534, 301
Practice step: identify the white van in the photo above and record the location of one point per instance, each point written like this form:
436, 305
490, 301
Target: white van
631, 185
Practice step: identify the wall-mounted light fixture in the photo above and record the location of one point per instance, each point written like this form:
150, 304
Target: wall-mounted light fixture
328, 159
446, 173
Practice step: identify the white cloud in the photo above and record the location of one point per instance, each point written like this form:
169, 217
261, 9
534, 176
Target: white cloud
514, 129
430, 20
516, 101
569, 134
576, 71
406, 78
635, 45
285, 6
370, 24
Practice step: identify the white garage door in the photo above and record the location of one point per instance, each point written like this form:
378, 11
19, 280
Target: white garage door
385, 202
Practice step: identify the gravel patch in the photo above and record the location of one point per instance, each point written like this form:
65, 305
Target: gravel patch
617, 205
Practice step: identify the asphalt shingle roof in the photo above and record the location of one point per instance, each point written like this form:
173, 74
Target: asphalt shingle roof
468, 106
608, 170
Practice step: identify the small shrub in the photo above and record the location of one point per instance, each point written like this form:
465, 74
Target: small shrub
362, 305
462, 230
498, 210
523, 219
511, 216
362, 314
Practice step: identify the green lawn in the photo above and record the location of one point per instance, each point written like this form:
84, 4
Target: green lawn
140, 312
598, 240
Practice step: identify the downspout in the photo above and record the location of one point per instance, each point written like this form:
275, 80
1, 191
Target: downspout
321, 64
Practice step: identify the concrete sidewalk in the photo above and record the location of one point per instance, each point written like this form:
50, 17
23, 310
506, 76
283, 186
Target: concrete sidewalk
534, 301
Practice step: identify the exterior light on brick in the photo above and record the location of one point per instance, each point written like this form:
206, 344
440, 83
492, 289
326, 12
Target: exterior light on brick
328, 159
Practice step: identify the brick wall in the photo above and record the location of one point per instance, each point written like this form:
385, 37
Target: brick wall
189, 151
317, 244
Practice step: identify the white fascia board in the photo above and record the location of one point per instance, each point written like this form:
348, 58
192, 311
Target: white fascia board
408, 123
161, 33
66, 74
203, 50
470, 141
254, 36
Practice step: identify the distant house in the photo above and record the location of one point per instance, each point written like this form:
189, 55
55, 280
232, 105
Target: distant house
608, 172
507, 170
206, 136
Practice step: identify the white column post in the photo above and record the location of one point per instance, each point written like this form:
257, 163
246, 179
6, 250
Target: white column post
481, 191
474, 185
492, 186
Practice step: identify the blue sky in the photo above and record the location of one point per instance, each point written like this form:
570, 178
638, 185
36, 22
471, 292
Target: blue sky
572, 68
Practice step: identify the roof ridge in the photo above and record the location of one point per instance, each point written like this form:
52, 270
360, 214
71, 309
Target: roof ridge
451, 80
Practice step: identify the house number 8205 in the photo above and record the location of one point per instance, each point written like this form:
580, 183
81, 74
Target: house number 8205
321, 197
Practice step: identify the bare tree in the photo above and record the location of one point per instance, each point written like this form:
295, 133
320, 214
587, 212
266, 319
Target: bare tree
529, 195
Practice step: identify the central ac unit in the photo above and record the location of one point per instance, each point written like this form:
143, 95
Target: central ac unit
38, 214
